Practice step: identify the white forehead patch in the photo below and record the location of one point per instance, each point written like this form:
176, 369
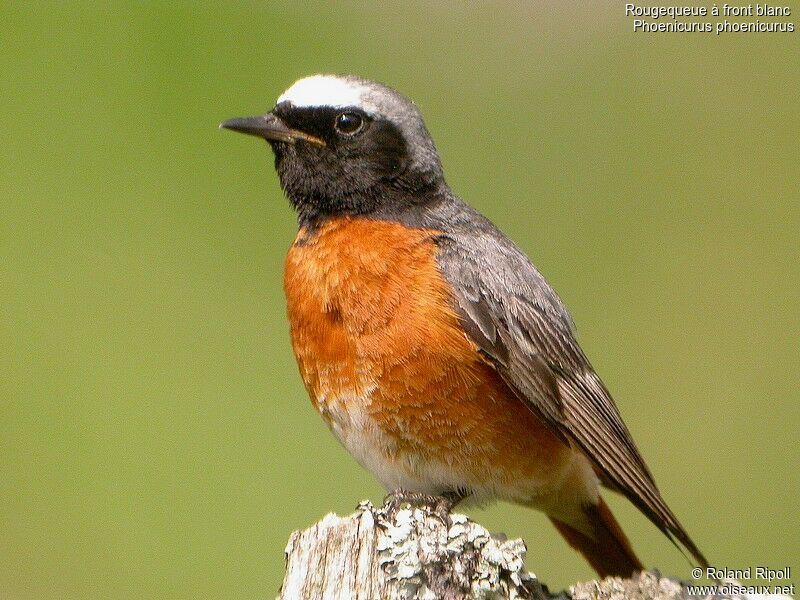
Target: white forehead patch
323, 90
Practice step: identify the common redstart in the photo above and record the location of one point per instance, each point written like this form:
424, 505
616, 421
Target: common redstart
435, 351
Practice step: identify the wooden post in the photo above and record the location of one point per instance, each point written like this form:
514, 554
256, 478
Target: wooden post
415, 554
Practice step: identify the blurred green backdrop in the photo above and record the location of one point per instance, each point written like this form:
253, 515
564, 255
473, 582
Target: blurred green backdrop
156, 441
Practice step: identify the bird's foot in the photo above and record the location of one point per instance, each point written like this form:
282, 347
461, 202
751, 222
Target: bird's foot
439, 505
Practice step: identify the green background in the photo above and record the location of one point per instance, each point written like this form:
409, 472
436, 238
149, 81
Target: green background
155, 438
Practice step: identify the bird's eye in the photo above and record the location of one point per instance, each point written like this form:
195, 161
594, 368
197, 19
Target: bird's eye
348, 123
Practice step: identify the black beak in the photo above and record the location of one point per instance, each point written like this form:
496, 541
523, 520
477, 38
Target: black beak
269, 127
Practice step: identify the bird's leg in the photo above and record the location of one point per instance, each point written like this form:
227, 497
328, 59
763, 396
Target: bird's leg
440, 505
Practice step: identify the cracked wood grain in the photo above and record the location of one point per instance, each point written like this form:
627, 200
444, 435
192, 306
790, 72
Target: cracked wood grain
414, 554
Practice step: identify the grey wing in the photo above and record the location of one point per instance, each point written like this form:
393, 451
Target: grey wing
521, 326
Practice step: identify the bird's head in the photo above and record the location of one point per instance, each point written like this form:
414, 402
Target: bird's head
347, 146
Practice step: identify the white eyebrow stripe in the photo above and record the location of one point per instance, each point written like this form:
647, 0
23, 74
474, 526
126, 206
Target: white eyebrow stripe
323, 90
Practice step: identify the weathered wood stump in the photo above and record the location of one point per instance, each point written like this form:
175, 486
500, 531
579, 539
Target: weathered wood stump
415, 553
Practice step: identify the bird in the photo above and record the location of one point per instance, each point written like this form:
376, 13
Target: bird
433, 348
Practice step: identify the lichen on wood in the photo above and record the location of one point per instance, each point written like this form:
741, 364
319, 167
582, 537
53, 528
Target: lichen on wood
418, 553
412, 553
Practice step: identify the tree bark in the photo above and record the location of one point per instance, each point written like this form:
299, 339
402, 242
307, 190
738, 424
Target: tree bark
416, 553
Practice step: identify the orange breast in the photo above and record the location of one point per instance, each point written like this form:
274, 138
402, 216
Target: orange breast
386, 363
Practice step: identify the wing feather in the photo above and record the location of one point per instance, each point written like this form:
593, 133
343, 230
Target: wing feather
522, 328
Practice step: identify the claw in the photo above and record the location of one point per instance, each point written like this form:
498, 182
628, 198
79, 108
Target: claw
439, 505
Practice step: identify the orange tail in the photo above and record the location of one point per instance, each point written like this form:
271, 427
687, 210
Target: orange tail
607, 549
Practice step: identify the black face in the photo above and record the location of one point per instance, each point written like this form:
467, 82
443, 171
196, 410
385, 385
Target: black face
361, 167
